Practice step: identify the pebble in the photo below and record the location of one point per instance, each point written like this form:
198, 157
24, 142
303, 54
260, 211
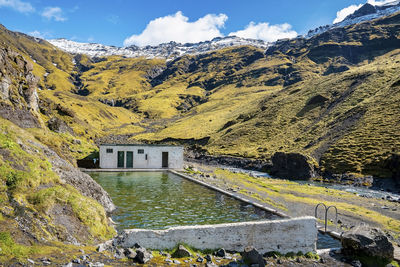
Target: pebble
97, 264
208, 257
356, 263
200, 259
30, 261
168, 260
176, 262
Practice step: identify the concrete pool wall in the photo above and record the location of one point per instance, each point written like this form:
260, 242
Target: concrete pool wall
285, 235
289, 235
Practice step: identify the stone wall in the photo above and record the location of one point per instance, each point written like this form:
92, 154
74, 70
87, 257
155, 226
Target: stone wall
289, 235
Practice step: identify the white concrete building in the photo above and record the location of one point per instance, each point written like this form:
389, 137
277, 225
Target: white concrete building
117, 156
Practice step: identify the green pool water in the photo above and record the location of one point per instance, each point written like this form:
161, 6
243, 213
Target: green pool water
158, 200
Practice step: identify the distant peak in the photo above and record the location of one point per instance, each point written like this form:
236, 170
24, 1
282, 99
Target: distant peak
168, 50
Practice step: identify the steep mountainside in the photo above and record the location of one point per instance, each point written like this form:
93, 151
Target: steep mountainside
333, 97
43, 198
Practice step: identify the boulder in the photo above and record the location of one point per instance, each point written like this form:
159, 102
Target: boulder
181, 252
143, 256
59, 126
294, 166
366, 241
130, 253
251, 256
220, 253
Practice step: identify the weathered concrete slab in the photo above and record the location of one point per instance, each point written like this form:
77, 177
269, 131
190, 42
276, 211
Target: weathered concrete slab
289, 235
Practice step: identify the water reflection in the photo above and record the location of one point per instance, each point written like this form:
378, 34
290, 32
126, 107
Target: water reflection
158, 200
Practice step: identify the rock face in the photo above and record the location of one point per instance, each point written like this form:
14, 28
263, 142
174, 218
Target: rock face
81, 181
18, 95
366, 9
292, 166
363, 240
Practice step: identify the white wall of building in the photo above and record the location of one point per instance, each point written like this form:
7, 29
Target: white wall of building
153, 152
289, 235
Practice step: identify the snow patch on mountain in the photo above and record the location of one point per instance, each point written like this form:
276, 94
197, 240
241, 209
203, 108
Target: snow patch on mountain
380, 11
167, 50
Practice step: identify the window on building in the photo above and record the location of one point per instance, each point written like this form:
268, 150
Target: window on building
109, 150
140, 151
146, 156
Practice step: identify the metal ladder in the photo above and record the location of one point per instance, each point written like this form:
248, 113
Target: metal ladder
326, 214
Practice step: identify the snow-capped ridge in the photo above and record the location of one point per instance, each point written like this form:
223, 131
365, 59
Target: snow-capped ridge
166, 50
365, 13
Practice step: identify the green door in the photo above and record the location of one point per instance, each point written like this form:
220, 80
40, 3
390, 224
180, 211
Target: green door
121, 159
129, 159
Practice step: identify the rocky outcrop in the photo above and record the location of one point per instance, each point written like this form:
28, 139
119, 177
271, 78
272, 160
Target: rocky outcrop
365, 241
81, 181
366, 9
18, 95
292, 166
59, 126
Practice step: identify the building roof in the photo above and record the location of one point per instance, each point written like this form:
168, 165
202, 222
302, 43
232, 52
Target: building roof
158, 145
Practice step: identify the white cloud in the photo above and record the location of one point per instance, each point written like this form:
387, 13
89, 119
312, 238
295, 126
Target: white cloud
379, 2
55, 13
23, 7
38, 34
343, 13
265, 31
178, 28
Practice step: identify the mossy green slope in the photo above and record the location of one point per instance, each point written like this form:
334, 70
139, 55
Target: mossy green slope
29, 188
334, 97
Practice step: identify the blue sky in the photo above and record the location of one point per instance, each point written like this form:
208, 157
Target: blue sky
120, 22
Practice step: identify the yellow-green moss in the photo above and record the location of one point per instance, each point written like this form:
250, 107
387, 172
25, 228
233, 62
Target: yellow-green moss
87, 210
10, 250
277, 189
